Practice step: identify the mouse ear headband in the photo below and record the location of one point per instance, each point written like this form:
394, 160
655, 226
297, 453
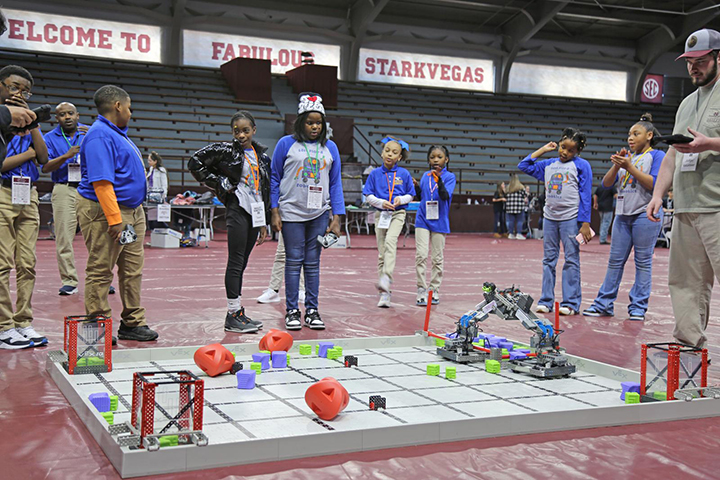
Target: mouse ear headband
403, 143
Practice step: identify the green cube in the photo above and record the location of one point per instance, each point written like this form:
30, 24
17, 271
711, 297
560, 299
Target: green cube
333, 353
450, 372
288, 360
632, 397
492, 366
305, 349
433, 369
109, 417
439, 342
113, 403
657, 395
317, 349
505, 352
339, 350
257, 366
169, 441
266, 351
90, 361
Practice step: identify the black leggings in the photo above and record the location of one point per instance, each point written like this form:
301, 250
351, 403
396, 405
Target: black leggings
241, 240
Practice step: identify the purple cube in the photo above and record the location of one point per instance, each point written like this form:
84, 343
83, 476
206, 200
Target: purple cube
263, 359
101, 401
323, 348
246, 379
279, 359
629, 387
506, 345
522, 350
517, 356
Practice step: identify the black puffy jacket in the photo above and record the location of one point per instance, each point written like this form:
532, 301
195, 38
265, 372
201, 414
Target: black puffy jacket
220, 167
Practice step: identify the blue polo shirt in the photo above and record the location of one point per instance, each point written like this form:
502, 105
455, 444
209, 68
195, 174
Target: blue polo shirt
57, 146
379, 181
108, 154
17, 146
429, 192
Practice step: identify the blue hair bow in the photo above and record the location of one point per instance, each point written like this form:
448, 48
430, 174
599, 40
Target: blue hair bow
402, 143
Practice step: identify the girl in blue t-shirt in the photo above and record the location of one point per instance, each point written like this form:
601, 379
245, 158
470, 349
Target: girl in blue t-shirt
305, 185
568, 189
432, 224
634, 174
389, 188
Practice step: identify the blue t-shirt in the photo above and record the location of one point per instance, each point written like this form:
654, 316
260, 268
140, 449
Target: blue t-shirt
429, 192
57, 146
108, 154
568, 186
17, 146
379, 181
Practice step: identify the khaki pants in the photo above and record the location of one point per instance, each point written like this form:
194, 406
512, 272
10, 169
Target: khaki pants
104, 253
423, 239
19, 227
387, 239
694, 265
64, 205
278, 271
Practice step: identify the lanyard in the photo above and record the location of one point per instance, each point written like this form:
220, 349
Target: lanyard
627, 174
707, 104
77, 135
390, 189
430, 185
254, 169
136, 150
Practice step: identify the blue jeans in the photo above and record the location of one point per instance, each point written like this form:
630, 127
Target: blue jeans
500, 223
515, 222
556, 233
302, 250
629, 231
605, 221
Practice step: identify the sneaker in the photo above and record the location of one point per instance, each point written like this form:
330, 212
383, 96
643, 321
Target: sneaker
269, 296
313, 320
68, 290
384, 300
384, 283
594, 312
542, 309
111, 290
237, 322
140, 334
435, 299
292, 320
497, 235
30, 333
519, 236
567, 311
511, 236
12, 340
301, 296
421, 298
637, 317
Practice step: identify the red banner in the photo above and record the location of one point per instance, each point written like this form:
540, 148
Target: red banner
652, 89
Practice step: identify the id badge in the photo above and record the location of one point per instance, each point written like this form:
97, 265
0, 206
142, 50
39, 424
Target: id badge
163, 212
258, 214
74, 173
689, 162
385, 219
619, 203
315, 197
432, 210
21, 190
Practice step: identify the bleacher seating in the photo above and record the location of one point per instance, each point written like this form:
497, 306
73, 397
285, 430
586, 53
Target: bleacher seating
487, 135
176, 110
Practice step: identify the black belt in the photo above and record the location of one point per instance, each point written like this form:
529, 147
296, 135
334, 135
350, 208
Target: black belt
6, 182
72, 184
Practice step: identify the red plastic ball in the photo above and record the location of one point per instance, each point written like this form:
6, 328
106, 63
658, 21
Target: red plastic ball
327, 398
276, 341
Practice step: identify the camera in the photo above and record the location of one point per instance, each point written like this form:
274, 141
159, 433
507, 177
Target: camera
327, 240
128, 235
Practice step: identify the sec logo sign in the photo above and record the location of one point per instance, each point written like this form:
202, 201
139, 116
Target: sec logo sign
651, 89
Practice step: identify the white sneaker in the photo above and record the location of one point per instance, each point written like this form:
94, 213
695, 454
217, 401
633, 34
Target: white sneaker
542, 309
384, 300
511, 236
30, 333
269, 296
301, 296
384, 283
519, 236
421, 299
12, 340
567, 311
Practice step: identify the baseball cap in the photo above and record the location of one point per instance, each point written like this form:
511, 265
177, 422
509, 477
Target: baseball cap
701, 43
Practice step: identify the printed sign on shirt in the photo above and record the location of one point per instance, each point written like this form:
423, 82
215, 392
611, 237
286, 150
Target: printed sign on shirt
689, 162
432, 210
315, 196
385, 219
74, 173
21, 190
258, 214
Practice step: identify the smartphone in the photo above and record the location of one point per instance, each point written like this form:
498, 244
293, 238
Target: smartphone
581, 240
677, 138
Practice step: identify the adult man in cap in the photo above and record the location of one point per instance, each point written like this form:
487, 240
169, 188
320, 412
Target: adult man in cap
693, 170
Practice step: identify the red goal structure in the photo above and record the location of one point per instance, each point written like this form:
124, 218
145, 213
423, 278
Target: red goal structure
167, 404
87, 342
669, 367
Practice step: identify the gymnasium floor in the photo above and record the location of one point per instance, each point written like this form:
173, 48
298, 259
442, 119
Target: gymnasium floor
184, 296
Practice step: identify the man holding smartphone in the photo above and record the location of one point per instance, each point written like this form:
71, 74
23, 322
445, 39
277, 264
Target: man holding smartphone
693, 170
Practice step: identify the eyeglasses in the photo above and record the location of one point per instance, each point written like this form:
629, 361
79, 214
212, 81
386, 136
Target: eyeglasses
15, 90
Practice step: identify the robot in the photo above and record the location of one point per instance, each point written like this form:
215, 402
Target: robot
509, 304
